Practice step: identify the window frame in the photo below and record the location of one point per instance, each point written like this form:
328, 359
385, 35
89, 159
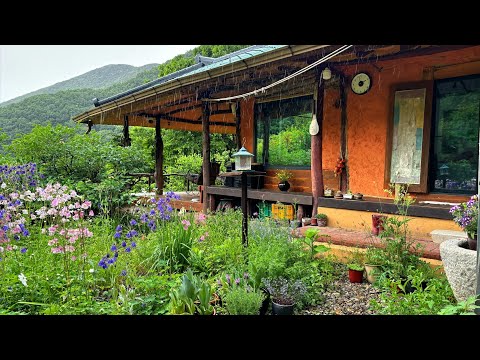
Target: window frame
431, 170
423, 187
267, 165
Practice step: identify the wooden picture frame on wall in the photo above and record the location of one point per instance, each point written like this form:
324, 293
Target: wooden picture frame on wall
408, 135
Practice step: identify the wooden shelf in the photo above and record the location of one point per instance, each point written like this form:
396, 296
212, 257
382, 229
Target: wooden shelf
302, 198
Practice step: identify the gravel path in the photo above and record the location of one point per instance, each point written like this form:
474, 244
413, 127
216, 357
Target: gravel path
346, 298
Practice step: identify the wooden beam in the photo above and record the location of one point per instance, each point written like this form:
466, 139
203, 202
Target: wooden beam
126, 141
343, 134
206, 153
316, 149
158, 157
238, 128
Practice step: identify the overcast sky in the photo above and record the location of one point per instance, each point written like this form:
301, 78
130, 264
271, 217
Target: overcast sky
25, 68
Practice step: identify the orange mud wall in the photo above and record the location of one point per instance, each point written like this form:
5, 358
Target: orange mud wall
368, 114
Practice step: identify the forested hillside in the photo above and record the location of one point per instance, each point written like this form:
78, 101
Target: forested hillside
95, 79
58, 108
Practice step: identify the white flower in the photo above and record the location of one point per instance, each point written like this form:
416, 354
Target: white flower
25, 211
91, 271
22, 279
3, 186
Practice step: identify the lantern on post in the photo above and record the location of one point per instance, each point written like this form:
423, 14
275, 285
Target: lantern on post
243, 160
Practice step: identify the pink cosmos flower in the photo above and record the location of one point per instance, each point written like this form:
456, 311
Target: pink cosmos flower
55, 202
69, 248
52, 242
202, 238
90, 213
76, 217
73, 258
86, 204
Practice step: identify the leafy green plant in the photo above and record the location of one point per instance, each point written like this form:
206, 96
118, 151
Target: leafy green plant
321, 216
312, 235
241, 301
466, 307
356, 267
192, 297
374, 256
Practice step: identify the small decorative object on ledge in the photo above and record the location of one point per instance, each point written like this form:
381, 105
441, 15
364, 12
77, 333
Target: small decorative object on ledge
348, 195
338, 195
328, 193
321, 219
358, 196
283, 176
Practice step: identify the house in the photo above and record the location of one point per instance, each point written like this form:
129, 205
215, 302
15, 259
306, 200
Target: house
391, 113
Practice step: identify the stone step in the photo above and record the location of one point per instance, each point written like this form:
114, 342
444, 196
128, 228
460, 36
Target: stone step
439, 236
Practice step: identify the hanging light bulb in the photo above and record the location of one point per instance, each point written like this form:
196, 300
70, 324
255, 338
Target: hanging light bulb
326, 74
314, 129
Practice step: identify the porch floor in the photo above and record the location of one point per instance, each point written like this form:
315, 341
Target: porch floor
363, 239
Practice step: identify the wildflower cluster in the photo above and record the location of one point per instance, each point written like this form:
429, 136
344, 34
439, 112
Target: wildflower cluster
19, 177
12, 223
466, 215
121, 244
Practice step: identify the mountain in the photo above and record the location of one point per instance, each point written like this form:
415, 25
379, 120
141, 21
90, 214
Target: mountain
69, 98
95, 79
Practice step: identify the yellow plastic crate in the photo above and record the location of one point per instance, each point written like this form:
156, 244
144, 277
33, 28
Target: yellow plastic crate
282, 211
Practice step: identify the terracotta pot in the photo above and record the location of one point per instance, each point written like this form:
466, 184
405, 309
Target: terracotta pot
284, 186
355, 276
313, 222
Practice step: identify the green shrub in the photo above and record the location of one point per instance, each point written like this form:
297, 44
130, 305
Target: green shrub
240, 301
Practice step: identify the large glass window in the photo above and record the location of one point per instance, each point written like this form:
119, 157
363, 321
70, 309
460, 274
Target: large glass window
282, 132
454, 162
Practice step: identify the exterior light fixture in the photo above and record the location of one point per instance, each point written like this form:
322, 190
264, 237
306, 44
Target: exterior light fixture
243, 160
326, 74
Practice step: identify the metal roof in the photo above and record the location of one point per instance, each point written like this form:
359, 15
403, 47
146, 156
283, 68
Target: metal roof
204, 64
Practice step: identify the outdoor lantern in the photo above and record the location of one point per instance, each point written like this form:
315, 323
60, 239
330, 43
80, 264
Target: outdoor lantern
444, 169
243, 160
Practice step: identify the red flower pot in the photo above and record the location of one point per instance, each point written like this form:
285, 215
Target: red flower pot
355, 276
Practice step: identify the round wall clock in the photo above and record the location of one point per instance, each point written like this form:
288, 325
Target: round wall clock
361, 83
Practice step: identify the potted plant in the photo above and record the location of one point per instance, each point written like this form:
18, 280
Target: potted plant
321, 219
284, 294
374, 258
355, 267
328, 192
358, 196
306, 221
466, 216
283, 176
348, 195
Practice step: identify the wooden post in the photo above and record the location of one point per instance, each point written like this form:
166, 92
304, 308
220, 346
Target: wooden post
126, 134
236, 117
158, 157
316, 149
244, 201
206, 153
343, 135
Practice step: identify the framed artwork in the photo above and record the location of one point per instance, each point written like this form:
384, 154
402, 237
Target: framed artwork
408, 139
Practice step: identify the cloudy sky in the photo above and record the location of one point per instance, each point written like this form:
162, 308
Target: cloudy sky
25, 68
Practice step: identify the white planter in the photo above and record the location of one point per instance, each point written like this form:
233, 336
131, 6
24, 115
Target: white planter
460, 267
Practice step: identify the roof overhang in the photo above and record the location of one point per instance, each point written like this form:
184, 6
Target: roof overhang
164, 89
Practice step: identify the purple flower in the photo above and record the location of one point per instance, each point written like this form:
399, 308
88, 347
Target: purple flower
123, 273
24, 250
237, 281
245, 275
227, 277
25, 232
117, 235
133, 244
124, 244
128, 249
133, 222
116, 255
119, 228
114, 247
152, 212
